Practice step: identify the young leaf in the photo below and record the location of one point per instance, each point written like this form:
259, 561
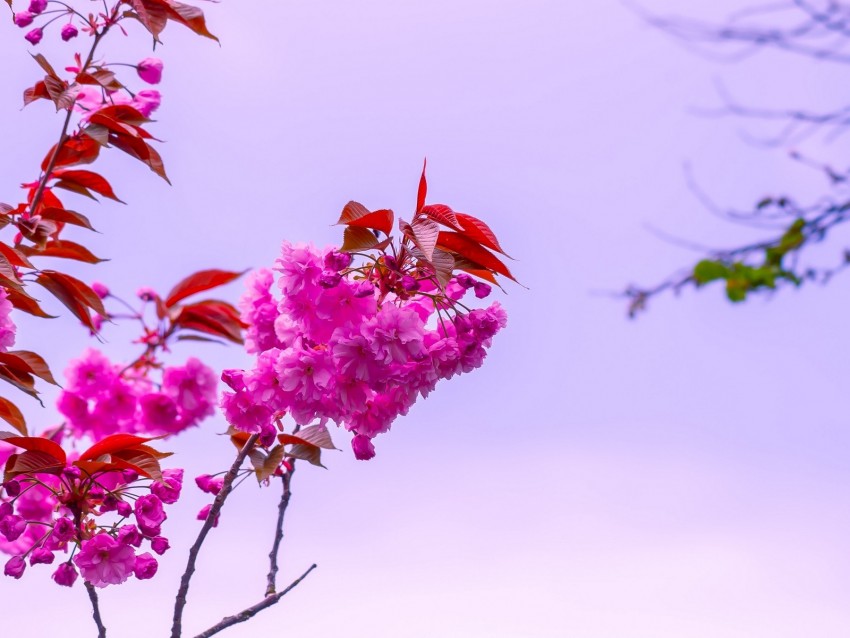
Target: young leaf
355, 214
74, 294
442, 214
10, 413
22, 301
77, 149
22, 380
89, 180
480, 232
473, 251
114, 443
64, 216
35, 364
423, 188
189, 16
358, 239
63, 249
36, 444
423, 233
198, 282
32, 463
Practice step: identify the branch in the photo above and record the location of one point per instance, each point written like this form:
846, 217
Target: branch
218, 503
278, 537
250, 612
101, 630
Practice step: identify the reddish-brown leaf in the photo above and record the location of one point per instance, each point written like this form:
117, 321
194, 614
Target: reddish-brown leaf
89, 180
36, 92
198, 282
64, 216
358, 239
37, 365
23, 381
124, 113
423, 188
10, 413
472, 250
74, 294
142, 462
212, 317
480, 232
32, 463
423, 233
23, 301
63, 249
189, 16
44, 64
317, 435
36, 444
151, 14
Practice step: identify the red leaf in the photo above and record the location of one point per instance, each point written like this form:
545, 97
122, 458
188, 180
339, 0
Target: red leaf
152, 15
442, 214
212, 317
144, 463
32, 463
480, 232
44, 64
36, 92
198, 282
78, 149
356, 214
15, 257
24, 381
36, 444
10, 413
473, 251
88, 179
64, 216
114, 443
189, 16
423, 188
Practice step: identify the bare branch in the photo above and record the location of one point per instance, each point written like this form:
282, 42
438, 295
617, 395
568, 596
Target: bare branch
101, 630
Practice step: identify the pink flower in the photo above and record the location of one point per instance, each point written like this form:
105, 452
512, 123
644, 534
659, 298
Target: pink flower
146, 101
34, 36
209, 484
65, 575
363, 448
193, 389
41, 556
150, 70
129, 535
205, 512
104, 561
15, 567
7, 327
100, 289
168, 490
68, 32
37, 6
145, 566
12, 527
23, 19
149, 515
63, 529
160, 545
159, 413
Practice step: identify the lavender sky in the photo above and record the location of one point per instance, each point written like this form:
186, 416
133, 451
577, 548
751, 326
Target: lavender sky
682, 475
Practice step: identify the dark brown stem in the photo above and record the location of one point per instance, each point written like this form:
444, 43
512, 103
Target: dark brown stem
218, 503
101, 630
250, 612
278, 535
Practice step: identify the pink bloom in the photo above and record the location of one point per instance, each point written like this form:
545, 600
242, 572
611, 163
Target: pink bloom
145, 566
150, 70
63, 529
100, 290
482, 290
300, 267
34, 36
146, 101
124, 509
41, 556
193, 389
209, 484
160, 545
363, 448
12, 527
168, 490
7, 327
104, 561
15, 567
68, 32
149, 514
23, 19
65, 575
205, 512
37, 6
129, 535
395, 334
159, 413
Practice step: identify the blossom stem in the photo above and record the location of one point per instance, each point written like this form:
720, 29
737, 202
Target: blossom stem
101, 630
218, 503
271, 580
250, 612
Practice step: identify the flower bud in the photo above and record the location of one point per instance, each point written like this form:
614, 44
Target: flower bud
23, 19
15, 567
41, 556
205, 511
13, 488
65, 575
363, 447
482, 290
124, 509
100, 290
209, 484
12, 527
410, 284
160, 545
37, 6
68, 32
145, 566
34, 36
150, 70
63, 529
330, 279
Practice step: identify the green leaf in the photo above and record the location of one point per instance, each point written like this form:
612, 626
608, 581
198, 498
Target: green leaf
709, 270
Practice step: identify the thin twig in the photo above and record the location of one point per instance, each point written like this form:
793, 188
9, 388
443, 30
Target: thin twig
218, 503
250, 612
101, 630
271, 580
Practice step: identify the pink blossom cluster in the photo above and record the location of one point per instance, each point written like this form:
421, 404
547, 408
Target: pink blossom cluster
340, 346
42, 515
7, 326
98, 400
